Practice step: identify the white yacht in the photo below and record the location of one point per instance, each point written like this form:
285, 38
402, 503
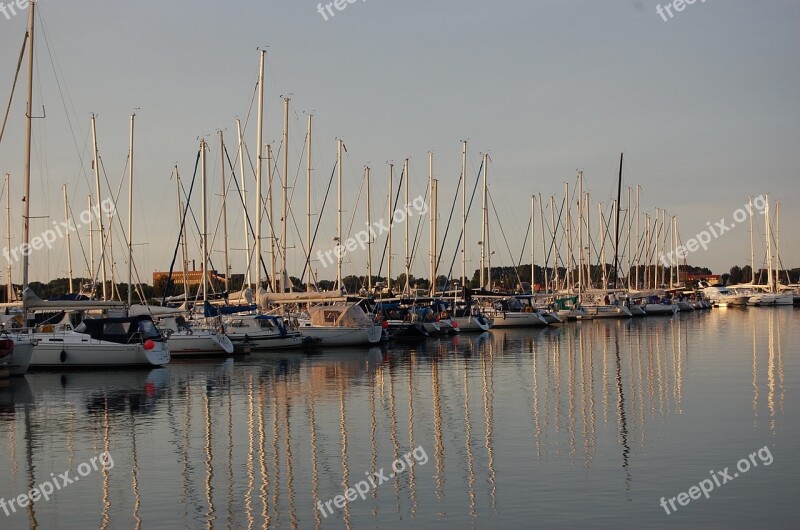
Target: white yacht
261, 332
339, 325
101, 342
189, 340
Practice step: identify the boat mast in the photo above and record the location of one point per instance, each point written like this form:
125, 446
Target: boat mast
185, 257
389, 236
435, 208
432, 227
339, 216
284, 282
248, 278
556, 258
487, 244
544, 247
616, 225
464, 280
533, 242
580, 231
630, 245
638, 254
130, 219
9, 284
99, 200
602, 228
482, 274
752, 247
224, 208
369, 228
270, 216
259, 161
407, 288
28, 126
769, 246
308, 204
568, 229
204, 235
91, 245
588, 275
69, 247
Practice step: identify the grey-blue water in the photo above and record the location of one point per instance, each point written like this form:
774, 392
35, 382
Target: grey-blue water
586, 425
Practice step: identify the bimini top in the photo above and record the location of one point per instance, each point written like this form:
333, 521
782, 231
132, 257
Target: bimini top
125, 330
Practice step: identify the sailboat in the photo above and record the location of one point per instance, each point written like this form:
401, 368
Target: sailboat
770, 294
97, 341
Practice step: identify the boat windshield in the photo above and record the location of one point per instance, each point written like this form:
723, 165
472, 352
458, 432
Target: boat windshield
148, 330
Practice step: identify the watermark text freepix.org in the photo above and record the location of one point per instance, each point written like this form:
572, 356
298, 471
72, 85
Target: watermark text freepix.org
56, 483
720, 478
327, 9
677, 5
361, 239
373, 480
59, 230
702, 239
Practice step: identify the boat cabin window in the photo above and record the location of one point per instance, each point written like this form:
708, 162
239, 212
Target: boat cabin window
148, 329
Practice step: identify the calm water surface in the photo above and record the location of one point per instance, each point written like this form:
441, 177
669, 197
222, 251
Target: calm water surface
585, 425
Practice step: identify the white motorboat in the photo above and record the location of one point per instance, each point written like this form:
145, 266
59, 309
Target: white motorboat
339, 325
762, 299
723, 296
101, 342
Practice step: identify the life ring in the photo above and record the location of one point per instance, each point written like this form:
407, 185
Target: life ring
528, 309
444, 315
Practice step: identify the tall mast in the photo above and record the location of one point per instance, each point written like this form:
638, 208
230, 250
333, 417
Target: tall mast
248, 278
308, 204
752, 247
339, 215
435, 217
204, 235
602, 228
270, 217
99, 201
484, 220
580, 231
69, 246
432, 234
130, 219
616, 225
28, 126
555, 260
777, 244
769, 246
533, 243
672, 248
544, 247
407, 288
9, 284
285, 196
588, 276
487, 245
389, 236
184, 254
568, 229
638, 190
91, 244
224, 208
630, 247
369, 227
259, 159
464, 279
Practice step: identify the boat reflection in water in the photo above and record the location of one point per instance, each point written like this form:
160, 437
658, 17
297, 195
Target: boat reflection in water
513, 422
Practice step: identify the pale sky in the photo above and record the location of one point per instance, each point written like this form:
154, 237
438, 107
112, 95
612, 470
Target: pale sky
705, 107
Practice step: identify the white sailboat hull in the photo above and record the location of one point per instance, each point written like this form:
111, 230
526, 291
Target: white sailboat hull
516, 319
20, 359
472, 323
342, 336
70, 349
199, 342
